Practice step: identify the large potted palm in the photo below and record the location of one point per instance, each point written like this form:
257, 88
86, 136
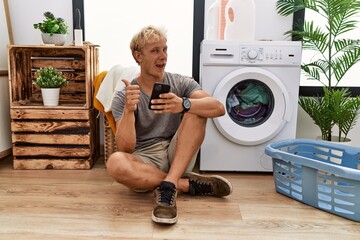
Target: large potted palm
332, 57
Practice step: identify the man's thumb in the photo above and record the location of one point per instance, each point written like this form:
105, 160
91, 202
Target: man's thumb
126, 82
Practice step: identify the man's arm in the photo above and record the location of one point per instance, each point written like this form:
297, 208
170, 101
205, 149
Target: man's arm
205, 106
202, 104
125, 136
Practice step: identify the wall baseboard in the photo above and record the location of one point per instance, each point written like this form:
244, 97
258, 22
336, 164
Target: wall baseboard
5, 153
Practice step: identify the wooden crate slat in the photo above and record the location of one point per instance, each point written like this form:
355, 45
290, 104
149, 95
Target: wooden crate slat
77, 86
58, 164
46, 51
69, 139
69, 75
59, 63
69, 98
48, 126
55, 151
57, 114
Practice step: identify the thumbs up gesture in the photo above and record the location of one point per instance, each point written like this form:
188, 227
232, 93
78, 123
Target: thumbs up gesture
132, 95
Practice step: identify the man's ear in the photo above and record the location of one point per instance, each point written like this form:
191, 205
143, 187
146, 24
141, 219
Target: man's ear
138, 56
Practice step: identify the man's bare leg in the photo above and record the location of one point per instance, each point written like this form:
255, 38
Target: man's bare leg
132, 172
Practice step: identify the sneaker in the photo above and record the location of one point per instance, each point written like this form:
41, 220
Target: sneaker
213, 185
165, 204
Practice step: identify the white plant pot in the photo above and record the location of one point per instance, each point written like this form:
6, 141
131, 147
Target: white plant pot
50, 96
57, 39
335, 139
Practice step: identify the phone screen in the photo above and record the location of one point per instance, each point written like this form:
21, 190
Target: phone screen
158, 89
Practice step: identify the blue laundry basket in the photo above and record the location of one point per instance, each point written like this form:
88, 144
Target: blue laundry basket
322, 174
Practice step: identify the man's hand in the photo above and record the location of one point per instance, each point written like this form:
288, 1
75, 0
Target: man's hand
167, 103
132, 96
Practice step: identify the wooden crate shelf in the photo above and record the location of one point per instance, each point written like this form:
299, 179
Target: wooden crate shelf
78, 64
61, 137
54, 138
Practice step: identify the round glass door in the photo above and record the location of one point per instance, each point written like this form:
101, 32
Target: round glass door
250, 103
257, 106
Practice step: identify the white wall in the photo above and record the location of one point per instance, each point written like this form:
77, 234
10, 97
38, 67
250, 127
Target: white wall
25, 13
269, 25
5, 135
113, 23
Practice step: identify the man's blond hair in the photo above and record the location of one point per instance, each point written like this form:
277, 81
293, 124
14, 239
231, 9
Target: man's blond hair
147, 34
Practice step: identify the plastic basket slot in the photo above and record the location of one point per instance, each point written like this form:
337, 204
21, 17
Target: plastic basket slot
320, 157
336, 160
342, 202
342, 193
321, 149
324, 205
296, 195
338, 153
342, 210
324, 197
324, 180
343, 184
296, 187
322, 172
296, 169
325, 189
286, 191
282, 166
283, 181
297, 180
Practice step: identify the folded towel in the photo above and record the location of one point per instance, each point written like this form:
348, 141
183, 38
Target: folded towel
99, 78
112, 82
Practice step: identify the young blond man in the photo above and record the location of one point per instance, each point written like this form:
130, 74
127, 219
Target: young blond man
158, 146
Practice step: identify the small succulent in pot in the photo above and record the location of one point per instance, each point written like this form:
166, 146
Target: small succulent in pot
49, 77
52, 25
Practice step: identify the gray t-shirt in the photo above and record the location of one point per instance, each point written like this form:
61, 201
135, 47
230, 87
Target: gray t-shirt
150, 127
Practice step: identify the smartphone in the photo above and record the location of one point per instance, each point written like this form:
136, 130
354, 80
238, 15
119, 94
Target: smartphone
158, 89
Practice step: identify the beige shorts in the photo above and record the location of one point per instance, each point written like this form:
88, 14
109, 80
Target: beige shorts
162, 154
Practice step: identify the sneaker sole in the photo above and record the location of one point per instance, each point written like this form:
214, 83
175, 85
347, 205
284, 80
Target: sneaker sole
163, 220
213, 176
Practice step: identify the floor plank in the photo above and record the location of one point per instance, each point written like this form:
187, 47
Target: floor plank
88, 204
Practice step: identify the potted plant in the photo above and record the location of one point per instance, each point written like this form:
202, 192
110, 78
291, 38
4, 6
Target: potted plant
50, 81
54, 30
332, 57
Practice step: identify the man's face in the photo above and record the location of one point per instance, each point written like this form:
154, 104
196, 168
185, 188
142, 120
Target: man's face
153, 58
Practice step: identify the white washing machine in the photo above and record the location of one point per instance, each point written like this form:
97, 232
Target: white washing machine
258, 83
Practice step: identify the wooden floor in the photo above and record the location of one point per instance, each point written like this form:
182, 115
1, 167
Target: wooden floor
88, 204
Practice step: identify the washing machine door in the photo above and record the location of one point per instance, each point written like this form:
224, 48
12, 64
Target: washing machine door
257, 106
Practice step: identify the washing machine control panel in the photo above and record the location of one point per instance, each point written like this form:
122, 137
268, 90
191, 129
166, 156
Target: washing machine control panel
260, 55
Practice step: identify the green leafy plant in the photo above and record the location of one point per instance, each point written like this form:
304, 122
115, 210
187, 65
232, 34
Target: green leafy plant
49, 77
52, 25
333, 56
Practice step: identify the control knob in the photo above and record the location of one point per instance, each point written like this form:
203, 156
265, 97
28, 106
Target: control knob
252, 54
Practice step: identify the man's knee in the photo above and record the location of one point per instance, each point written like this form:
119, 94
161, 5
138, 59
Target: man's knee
113, 164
